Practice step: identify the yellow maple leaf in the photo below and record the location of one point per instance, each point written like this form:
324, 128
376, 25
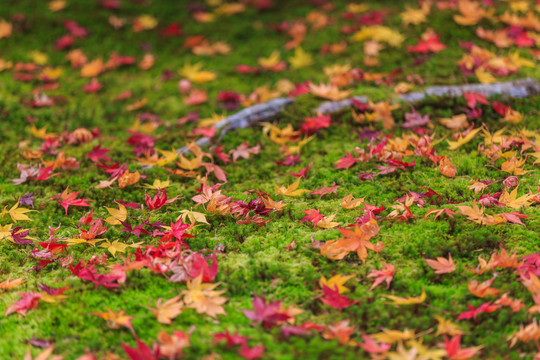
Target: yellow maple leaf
513, 165
41, 133
270, 61
38, 57
327, 222
291, 190
117, 215
511, 200
349, 202
75, 241
168, 156
50, 73
300, 59
117, 246
158, 184
414, 16
193, 217
336, 281
453, 145
194, 73
484, 76
519, 61
51, 299
5, 231
409, 300
17, 213
379, 33
447, 327
188, 164
391, 336
144, 22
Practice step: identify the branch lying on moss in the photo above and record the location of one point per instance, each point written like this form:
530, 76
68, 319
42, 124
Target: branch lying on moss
271, 109
514, 89
267, 111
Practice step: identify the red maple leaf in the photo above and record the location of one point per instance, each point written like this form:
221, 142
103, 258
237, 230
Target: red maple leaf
386, 274
303, 171
231, 339
474, 312
158, 200
333, 298
98, 153
454, 350
251, 353
70, 199
325, 190
312, 215
346, 162
314, 124
474, 98
141, 352
27, 302
200, 266
430, 43
269, 314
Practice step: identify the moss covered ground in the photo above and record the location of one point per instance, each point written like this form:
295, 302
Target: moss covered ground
281, 259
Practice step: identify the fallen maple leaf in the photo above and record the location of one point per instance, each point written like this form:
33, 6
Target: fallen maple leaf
244, 151
27, 302
203, 298
70, 199
117, 246
325, 190
16, 213
474, 312
442, 265
335, 281
386, 274
268, 314
482, 289
348, 202
5, 29
166, 311
354, 240
447, 168
172, 346
453, 145
10, 284
194, 73
313, 216
291, 190
115, 319
511, 200
334, 299
117, 215
456, 122
454, 350
409, 300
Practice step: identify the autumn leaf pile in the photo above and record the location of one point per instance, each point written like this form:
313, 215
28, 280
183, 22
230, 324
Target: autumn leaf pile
384, 230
